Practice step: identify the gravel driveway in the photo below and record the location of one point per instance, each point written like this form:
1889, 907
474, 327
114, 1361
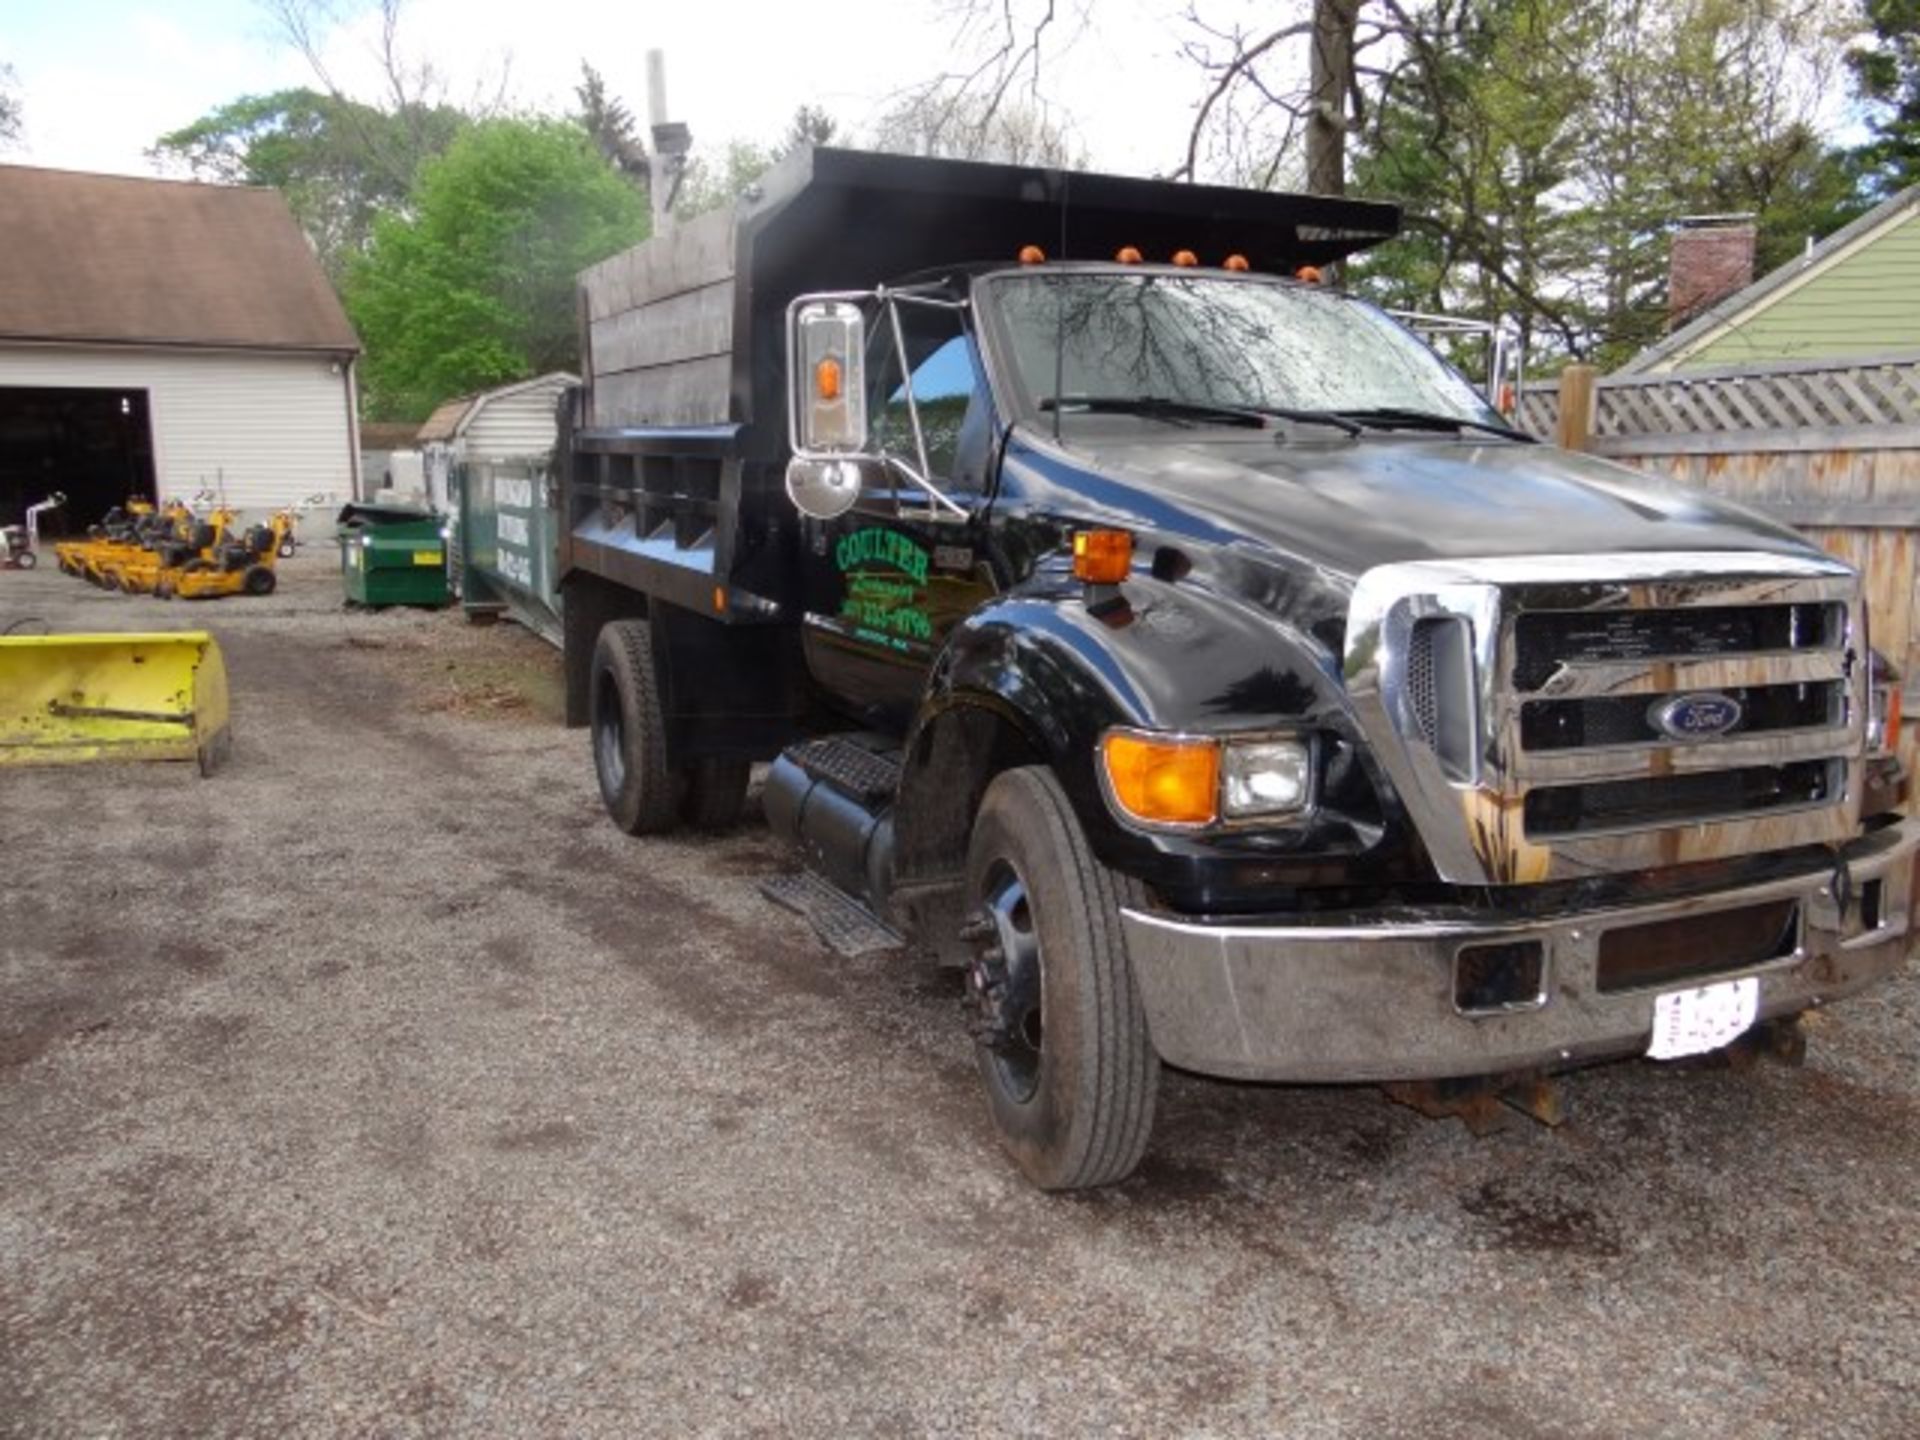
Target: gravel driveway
378, 1086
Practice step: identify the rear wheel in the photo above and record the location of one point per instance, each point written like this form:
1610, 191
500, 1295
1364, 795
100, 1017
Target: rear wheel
258, 581
1070, 1073
629, 727
26, 560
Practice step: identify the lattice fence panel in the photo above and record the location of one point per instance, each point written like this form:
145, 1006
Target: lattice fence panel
1779, 398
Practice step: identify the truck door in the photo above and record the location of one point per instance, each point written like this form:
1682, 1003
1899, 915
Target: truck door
890, 578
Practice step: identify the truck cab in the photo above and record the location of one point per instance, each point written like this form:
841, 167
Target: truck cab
1183, 650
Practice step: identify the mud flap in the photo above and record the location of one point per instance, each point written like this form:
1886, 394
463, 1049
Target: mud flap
70, 698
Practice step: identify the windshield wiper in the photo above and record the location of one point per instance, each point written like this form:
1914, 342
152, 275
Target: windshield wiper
1388, 417
1335, 418
1156, 407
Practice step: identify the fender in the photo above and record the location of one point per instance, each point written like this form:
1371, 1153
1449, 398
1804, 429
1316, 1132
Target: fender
1061, 664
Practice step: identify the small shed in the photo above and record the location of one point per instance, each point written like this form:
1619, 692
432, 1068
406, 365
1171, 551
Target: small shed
1853, 296
510, 422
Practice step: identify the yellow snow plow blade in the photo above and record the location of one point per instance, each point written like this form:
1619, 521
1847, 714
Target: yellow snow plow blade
113, 697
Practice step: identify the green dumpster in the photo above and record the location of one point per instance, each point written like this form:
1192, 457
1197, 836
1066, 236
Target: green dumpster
393, 555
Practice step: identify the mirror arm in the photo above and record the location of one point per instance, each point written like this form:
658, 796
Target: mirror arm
906, 374
934, 492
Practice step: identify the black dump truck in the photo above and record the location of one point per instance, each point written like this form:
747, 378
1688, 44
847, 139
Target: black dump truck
1179, 646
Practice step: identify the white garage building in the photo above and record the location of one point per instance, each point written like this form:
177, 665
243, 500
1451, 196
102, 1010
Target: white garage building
159, 338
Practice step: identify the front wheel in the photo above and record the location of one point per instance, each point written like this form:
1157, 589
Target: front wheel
26, 560
1070, 1072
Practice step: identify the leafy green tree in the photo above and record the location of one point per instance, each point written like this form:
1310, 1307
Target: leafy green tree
1543, 149
1886, 73
711, 183
473, 284
340, 164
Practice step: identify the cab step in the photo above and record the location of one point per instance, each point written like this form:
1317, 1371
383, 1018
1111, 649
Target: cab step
855, 765
846, 927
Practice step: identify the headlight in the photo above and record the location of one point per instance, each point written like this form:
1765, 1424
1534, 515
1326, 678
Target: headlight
1265, 777
1191, 782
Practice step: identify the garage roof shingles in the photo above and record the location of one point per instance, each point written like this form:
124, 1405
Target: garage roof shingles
114, 259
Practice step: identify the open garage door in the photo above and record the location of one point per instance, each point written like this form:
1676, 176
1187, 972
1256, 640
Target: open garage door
95, 445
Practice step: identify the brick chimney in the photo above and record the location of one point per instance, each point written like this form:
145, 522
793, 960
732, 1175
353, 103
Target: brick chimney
1712, 258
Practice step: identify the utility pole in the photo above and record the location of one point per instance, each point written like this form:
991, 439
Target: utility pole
671, 142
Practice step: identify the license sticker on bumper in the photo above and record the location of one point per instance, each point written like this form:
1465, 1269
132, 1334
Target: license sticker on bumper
1692, 1022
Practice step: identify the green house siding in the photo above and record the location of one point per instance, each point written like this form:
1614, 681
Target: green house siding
1865, 303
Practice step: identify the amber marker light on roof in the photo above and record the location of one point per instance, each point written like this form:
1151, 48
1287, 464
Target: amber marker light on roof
1127, 255
1185, 258
1235, 262
826, 379
1162, 779
1032, 255
1309, 274
1102, 557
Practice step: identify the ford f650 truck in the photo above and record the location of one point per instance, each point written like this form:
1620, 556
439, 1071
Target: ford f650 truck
1182, 648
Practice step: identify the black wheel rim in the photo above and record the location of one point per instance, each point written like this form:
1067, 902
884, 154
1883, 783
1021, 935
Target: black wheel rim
1006, 983
610, 737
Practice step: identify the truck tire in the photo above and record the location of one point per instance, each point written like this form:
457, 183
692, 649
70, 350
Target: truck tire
258, 580
642, 793
716, 792
1070, 1071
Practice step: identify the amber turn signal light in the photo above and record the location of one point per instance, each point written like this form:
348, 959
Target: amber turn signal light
1102, 557
1160, 780
826, 379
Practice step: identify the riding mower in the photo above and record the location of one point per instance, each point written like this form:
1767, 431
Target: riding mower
20, 544
147, 532
198, 537
237, 567
116, 526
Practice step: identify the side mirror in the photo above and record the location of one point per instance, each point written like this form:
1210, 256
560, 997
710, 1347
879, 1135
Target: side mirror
827, 398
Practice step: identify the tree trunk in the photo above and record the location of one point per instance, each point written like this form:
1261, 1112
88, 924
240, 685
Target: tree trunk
1330, 81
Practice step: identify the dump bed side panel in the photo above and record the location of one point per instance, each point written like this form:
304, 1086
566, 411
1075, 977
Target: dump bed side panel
658, 322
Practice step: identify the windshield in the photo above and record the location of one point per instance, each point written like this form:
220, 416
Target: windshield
1207, 340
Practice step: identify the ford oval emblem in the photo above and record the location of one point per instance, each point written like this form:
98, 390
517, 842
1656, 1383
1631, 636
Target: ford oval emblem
1704, 716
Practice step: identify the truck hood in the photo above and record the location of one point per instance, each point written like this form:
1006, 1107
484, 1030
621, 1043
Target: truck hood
1342, 508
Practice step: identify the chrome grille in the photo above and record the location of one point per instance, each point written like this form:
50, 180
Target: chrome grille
1573, 660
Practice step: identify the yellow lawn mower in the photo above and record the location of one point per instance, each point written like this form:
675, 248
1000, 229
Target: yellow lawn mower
198, 537
242, 566
117, 527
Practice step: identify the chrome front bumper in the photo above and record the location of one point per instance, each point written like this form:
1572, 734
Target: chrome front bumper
1372, 998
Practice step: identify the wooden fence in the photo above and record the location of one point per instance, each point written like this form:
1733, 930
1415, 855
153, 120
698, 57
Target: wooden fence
1833, 449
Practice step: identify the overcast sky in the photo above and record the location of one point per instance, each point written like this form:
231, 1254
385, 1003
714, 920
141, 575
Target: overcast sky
100, 79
